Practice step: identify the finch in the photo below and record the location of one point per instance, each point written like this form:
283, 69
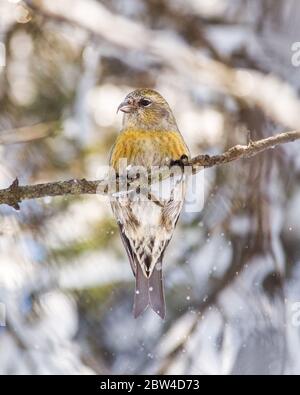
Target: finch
149, 137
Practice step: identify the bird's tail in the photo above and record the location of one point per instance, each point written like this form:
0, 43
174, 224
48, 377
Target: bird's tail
149, 292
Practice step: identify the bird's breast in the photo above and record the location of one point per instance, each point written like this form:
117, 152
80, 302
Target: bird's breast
148, 148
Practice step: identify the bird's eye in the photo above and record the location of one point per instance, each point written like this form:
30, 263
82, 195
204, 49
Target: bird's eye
145, 102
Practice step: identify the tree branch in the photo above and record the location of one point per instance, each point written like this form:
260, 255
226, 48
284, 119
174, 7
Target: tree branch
15, 194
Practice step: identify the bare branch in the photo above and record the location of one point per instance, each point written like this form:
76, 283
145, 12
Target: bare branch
245, 151
15, 194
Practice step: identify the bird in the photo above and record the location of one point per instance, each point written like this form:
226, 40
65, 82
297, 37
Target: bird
149, 138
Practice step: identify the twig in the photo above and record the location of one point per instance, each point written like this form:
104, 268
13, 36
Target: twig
15, 194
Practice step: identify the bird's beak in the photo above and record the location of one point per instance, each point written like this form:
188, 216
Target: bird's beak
126, 107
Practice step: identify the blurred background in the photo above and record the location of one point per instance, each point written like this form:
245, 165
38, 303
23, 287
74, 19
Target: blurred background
230, 71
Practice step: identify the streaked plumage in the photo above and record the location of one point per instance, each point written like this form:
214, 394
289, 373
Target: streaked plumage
149, 137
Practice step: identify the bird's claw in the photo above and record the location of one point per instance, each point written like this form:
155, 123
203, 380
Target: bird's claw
182, 162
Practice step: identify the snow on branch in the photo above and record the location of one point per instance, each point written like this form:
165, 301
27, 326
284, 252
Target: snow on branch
16, 193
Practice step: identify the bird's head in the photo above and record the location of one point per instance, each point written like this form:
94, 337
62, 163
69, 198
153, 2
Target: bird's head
146, 109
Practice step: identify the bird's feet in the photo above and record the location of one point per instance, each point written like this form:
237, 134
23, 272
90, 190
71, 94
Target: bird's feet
182, 162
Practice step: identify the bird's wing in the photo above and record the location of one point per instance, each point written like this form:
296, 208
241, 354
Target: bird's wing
146, 227
145, 246
126, 242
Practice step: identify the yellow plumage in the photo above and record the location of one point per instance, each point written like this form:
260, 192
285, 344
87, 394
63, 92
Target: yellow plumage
139, 147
